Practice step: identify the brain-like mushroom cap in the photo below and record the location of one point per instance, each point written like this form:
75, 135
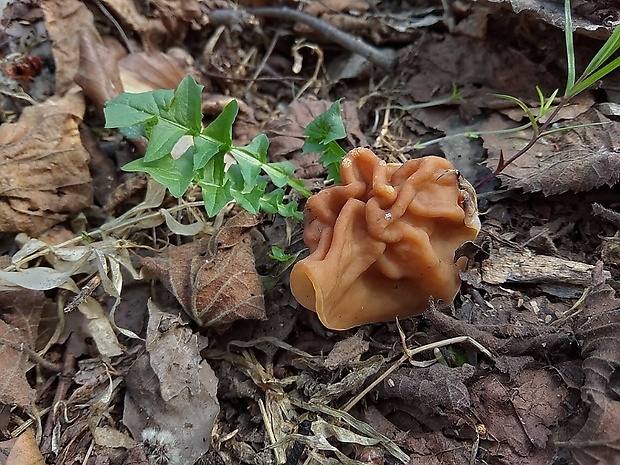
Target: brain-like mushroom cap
382, 243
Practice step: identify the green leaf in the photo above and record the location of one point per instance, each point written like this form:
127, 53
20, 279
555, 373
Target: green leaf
176, 175
131, 109
215, 186
134, 132
247, 199
251, 158
570, 49
524, 107
290, 210
326, 127
245, 173
270, 201
186, 105
322, 134
162, 138
280, 172
280, 255
206, 148
221, 127
610, 47
257, 148
273, 202
582, 85
215, 197
312, 147
333, 154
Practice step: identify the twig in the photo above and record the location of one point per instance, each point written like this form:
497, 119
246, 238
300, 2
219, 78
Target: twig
114, 22
325, 30
536, 136
65, 381
33, 355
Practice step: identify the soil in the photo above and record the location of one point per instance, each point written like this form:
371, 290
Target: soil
185, 344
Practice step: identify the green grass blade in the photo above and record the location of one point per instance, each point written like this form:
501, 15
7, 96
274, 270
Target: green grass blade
610, 47
587, 82
524, 107
570, 49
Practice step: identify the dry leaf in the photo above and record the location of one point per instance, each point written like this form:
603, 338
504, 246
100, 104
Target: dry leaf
586, 19
432, 65
167, 23
346, 351
170, 344
143, 72
25, 451
176, 408
438, 386
215, 281
19, 322
98, 74
67, 21
44, 175
598, 441
577, 160
100, 328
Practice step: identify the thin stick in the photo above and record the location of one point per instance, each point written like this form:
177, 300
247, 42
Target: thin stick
327, 31
33, 355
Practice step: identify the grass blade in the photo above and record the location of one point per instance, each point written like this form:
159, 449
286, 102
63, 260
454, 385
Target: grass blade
610, 47
570, 49
588, 81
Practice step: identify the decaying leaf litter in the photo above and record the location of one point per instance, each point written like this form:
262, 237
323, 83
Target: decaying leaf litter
127, 376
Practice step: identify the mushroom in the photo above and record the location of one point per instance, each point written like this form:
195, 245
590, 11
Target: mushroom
383, 243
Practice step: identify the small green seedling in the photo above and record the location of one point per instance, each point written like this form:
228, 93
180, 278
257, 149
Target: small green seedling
599, 67
280, 255
322, 136
180, 151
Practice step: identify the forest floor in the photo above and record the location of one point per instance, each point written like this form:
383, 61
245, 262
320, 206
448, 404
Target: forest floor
121, 374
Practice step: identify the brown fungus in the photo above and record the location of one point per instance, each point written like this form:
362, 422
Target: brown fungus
382, 243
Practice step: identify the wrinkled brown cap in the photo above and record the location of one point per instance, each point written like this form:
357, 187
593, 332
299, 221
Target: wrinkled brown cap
382, 243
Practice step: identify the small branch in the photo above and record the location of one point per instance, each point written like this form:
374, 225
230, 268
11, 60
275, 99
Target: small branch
327, 31
501, 166
35, 357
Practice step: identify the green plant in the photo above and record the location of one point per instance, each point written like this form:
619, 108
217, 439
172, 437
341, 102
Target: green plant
322, 136
180, 151
599, 67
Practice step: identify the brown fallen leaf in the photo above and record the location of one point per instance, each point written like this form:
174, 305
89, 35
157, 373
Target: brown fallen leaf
598, 441
214, 280
171, 21
19, 323
143, 72
25, 451
45, 177
432, 65
171, 398
438, 386
346, 351
67, 22
98, 74
577, 160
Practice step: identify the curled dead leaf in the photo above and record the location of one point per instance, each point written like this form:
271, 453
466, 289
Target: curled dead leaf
214, 280
45, 176
598, 440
